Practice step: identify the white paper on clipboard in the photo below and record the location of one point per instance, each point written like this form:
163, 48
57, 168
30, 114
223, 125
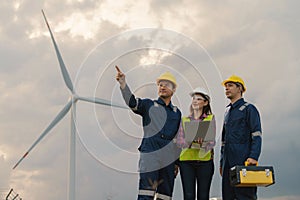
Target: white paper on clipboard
203, 129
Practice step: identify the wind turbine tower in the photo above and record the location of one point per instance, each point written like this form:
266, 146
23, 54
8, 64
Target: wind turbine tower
71, 105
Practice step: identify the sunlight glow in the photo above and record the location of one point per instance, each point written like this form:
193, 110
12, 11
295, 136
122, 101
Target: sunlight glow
2, 154
153, 57
17, 5
78, 24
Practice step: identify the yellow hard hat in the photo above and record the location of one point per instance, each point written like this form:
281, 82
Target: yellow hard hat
168, 77
235, 79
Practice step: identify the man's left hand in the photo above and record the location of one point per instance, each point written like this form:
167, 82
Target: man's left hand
251, 161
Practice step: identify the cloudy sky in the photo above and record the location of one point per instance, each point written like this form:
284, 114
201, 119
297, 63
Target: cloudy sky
201, 42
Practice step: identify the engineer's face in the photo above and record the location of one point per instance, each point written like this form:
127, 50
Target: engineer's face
198, 102
165, 89
232, 91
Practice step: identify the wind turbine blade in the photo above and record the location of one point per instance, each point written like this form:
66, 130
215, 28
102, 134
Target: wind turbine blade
59, 116
102, 101
63, 68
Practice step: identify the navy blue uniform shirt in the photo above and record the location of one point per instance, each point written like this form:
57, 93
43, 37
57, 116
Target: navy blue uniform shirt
160, 121
241, 134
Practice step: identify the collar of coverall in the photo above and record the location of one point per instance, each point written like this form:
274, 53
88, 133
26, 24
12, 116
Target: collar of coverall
237, 103
161, 102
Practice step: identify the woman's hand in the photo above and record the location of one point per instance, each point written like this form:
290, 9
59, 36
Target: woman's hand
199, 141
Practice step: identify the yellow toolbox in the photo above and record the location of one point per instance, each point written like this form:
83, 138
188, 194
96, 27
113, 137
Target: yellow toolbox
252, 176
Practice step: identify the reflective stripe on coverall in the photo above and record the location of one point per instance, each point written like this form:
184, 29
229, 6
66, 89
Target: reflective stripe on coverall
241, 139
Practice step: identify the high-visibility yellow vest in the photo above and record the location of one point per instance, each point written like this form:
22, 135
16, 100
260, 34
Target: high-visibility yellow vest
195, 154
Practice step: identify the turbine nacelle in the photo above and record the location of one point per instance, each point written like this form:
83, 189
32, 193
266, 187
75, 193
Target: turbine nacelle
74, 98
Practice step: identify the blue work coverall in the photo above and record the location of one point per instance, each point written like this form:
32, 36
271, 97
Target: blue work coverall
158, 152
241, 139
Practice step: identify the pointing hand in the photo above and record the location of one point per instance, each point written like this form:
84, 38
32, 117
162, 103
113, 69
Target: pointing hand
120, 77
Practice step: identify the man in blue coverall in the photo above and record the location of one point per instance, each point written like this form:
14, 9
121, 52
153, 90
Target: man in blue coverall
158, 153
241, 138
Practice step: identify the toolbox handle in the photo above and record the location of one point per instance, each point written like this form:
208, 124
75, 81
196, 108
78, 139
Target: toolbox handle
248, 164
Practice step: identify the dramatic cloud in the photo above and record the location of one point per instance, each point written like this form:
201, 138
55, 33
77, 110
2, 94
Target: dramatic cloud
258, 40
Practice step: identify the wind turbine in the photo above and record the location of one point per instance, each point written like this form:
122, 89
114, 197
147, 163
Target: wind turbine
71, 105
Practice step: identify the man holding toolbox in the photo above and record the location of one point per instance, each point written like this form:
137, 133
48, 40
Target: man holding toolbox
241, 138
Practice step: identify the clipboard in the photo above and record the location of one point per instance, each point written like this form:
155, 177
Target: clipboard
203, 129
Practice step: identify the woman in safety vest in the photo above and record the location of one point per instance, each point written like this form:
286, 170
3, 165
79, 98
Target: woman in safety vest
196, 159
